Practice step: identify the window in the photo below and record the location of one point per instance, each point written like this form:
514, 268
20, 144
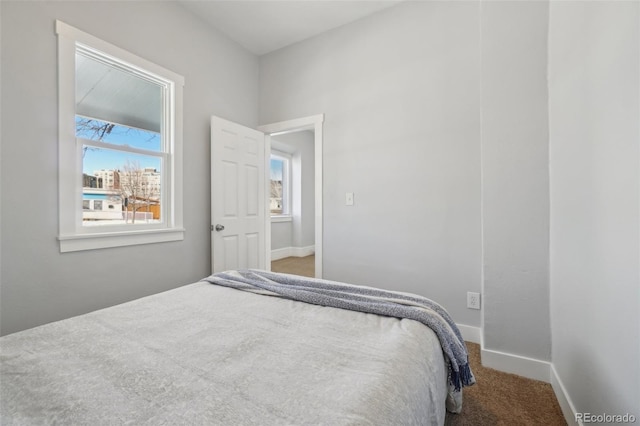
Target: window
120, 141
280, 204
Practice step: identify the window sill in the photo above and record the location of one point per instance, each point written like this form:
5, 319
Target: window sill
281, 218
80, 242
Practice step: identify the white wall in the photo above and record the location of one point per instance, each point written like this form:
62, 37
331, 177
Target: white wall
400, 94
436, 118
281, 236
515, 179
304, 188
39, 284
594, 112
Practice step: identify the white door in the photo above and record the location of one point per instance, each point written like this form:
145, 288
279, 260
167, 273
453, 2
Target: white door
238, 196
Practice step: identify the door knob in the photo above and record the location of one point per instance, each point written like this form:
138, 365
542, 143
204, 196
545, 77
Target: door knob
219, 227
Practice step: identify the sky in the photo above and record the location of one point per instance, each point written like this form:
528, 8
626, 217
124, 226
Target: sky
276, 169
98, 158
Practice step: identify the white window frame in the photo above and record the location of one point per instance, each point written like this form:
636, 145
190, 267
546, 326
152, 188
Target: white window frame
286, 215
73, 236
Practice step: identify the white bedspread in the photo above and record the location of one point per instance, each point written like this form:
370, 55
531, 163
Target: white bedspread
203, 354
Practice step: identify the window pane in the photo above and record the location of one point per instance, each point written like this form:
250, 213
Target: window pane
110, 93
277, 167
125, 188
104, 131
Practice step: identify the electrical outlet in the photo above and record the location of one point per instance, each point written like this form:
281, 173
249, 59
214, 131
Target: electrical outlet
473, 300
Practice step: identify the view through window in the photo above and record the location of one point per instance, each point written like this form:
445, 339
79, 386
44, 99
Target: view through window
279, 198
276, 185
118, 122
119, 146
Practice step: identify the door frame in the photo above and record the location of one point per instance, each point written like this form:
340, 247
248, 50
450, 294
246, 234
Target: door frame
313, 122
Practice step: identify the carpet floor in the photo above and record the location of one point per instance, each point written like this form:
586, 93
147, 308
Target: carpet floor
500, 398
304, 266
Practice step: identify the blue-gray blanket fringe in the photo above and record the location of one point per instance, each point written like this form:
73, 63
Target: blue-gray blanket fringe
361, 299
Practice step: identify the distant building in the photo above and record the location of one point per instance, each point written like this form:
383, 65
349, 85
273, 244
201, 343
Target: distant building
101, 204
112, 194
153, 179
110, 178
276, 205
91, 181
146, 182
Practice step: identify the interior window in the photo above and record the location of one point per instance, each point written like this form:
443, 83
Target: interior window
280, 185
119, 122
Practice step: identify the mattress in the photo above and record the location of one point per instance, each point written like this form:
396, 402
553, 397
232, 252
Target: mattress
204, 354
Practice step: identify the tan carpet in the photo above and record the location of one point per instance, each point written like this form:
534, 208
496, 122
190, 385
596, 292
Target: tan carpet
505, 399
304, 266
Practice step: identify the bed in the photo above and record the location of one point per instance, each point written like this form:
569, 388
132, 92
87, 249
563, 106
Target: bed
206, 354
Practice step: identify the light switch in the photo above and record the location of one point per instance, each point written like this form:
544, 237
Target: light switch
349, 199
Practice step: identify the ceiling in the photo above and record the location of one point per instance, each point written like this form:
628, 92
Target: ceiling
263, 26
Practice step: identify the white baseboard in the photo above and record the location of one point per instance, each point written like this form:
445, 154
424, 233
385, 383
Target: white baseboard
509, 363
516, 364
469, 333
525, 367
533, 369
281, 253
568, 409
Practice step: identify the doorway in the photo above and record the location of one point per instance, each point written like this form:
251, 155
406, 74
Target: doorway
272, 131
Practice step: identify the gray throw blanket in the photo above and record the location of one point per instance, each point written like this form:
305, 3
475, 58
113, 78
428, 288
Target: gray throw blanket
361, 299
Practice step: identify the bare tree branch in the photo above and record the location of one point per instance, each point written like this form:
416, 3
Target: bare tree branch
94, 129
